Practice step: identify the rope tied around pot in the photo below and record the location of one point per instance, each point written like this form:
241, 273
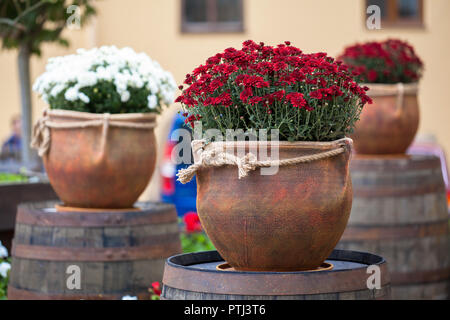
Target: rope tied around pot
41, 137
214, 158
399, 90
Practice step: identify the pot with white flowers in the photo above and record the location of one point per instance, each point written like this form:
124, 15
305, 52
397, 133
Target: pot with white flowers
289, 219
97, 139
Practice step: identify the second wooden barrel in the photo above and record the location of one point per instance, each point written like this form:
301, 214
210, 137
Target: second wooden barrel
112, 252
197, 276
11, 195
400, 212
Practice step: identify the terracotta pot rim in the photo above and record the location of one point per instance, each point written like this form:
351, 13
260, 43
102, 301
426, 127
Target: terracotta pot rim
391, 89
78, 115
300, 144
390, 84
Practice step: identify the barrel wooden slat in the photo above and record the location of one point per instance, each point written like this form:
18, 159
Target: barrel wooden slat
194, 276
177, 294
400, 212
116, 258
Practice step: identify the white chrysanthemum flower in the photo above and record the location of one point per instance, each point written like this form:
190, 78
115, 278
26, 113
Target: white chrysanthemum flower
125, 96
83, 97
3, 251
86, 79
152, 86
4, 268
56, 90
152, 102
71, 94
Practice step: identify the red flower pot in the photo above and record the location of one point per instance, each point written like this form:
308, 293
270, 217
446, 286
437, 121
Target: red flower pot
288, 221
389, 125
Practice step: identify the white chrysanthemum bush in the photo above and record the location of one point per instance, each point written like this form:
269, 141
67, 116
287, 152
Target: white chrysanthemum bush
5, 266
106, 80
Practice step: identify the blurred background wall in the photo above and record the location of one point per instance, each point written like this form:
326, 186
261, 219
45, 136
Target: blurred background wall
155, 27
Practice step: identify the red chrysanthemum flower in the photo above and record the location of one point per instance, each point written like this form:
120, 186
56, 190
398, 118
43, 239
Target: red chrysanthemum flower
192, 222
156, 288
296, 99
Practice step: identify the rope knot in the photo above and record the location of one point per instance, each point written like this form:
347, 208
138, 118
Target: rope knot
347, 144
246, 164
41, 136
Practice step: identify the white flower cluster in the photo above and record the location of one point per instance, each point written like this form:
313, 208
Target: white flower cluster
123, 67
3, 251
4, 266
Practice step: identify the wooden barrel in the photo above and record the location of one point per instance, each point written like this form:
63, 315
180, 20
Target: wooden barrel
11, 195
196, 276
112, 252
400, 212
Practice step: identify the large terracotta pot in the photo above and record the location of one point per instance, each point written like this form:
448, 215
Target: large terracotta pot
288, 221
104, 161
389, 125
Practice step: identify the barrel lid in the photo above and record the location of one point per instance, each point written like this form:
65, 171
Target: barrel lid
198, 272
47, 214
394, 162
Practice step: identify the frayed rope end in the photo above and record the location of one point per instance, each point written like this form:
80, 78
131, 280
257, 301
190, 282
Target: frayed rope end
186, 175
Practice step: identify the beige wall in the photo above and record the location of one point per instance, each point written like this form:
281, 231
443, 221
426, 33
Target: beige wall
153, 26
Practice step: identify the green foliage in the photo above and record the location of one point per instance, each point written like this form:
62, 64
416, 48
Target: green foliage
154, 297
194, 242
10, 177
4, 288
327, 121
33, 22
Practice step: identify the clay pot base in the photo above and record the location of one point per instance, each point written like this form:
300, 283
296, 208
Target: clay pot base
63, 208
323, 267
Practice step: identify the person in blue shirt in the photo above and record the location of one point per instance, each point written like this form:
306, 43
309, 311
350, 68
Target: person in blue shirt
183, 196
11, 147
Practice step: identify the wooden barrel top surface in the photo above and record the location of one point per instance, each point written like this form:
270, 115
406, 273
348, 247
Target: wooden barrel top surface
47, 214
395, 162
197, 272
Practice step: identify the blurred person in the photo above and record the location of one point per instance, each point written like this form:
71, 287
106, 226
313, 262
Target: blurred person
428, 144
11, 147
183, 196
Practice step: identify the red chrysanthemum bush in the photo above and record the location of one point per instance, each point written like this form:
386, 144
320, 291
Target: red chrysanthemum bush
390, 61
307, 97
